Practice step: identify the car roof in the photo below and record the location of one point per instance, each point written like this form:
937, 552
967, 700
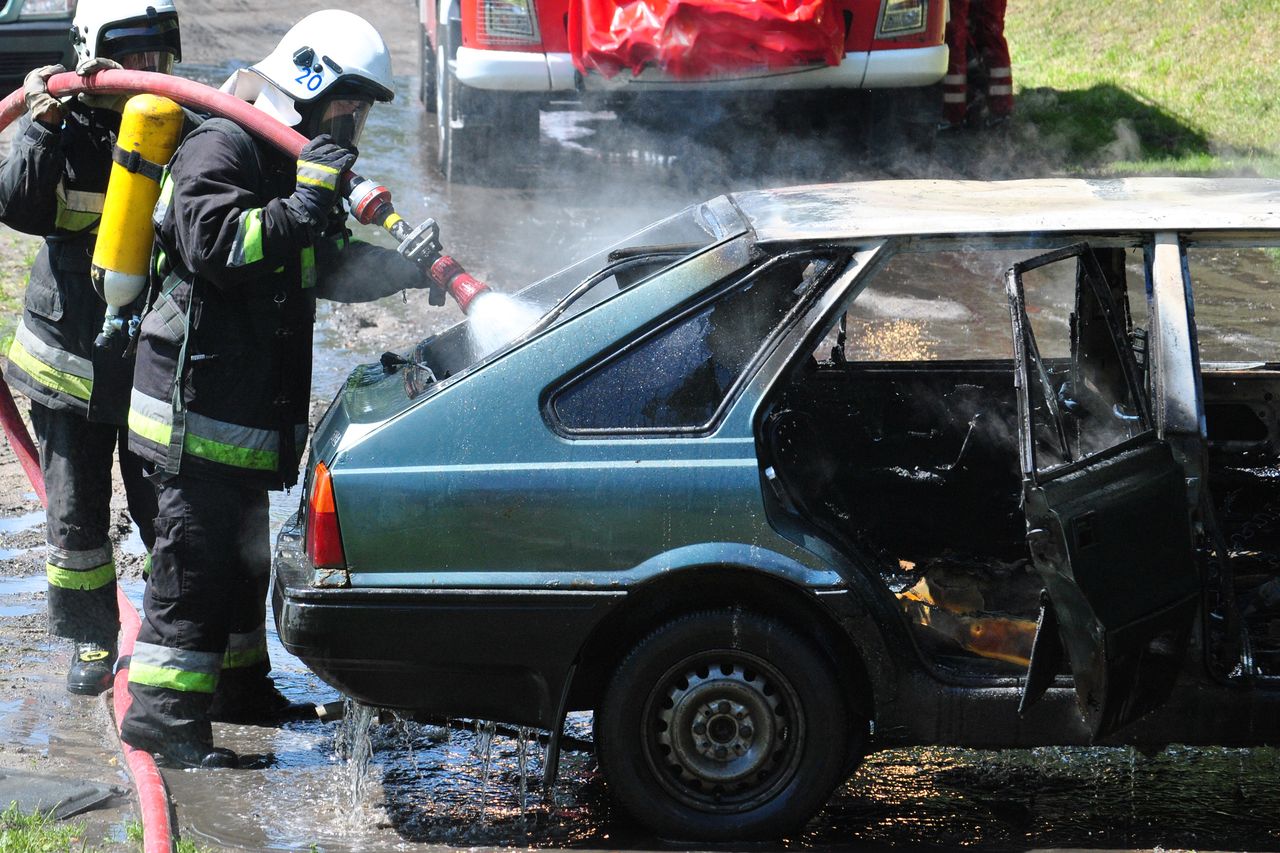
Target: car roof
896, 208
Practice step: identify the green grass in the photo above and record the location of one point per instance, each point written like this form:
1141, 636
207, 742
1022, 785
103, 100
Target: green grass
37, 833
1147, 86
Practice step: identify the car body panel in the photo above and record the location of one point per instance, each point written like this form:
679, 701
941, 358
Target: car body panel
458, 499
30, 42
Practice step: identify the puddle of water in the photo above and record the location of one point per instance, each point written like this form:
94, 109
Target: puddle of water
21, 596
21, 523
12, 553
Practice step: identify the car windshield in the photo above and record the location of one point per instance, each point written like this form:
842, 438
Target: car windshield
497, 320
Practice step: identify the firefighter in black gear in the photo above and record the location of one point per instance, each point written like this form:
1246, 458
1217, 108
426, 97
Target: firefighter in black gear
53, 185
222, 384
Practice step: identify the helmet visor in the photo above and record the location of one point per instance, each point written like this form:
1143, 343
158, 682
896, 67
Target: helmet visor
343, 119
139, 35
160, 61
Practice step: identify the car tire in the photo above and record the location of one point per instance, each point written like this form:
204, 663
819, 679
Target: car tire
723, 725
479, 134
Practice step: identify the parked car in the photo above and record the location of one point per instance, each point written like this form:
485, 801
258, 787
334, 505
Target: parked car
34, 33
488, 65
799, 474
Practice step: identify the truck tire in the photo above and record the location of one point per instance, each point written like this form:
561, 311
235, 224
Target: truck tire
426, 71
479, 133
723, 725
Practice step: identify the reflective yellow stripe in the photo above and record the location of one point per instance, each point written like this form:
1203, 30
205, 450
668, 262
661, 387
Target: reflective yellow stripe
156, 432
317, 175
228, 454
78, 210
49, 376
95, 578
308, 260
172, 679
244, 657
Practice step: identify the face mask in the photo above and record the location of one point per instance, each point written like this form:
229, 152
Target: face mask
343, 119
159, 61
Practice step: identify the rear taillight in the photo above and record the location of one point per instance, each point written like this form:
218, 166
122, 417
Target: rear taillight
323, 538
506, 23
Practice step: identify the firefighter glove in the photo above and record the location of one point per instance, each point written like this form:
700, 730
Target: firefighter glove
42, 106
320, 167
94, 64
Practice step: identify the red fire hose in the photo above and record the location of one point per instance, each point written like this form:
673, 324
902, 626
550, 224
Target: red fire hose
370, 204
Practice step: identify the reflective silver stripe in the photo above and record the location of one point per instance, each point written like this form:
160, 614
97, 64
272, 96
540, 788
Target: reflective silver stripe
186, 660
56, 358
953, 80
236, 435
82, 201
999, 90
247, 642
65, 558
162, 203
999, 73
150, 407
949, 98
247, 247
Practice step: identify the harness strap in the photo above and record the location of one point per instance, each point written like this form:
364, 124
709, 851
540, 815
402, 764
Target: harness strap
135, 162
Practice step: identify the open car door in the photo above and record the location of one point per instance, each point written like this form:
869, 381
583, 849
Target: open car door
1105, 500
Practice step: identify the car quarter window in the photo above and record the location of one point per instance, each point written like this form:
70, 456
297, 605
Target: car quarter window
1237, 302
949, 305
677, 376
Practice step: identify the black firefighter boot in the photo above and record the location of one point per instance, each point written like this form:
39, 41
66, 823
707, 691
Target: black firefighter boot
91, 669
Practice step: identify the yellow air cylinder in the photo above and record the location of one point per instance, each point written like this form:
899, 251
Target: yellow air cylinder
150, 128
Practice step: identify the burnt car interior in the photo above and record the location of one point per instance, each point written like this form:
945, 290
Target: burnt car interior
898, 443
1236, 293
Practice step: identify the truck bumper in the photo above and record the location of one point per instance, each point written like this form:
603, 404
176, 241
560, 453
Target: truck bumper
517, 71
494, 654
25, 45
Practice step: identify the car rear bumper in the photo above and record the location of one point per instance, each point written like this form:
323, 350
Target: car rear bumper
516, 71
25, 45
495, 654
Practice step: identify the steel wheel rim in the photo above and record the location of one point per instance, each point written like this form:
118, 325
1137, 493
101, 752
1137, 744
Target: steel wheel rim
722, 731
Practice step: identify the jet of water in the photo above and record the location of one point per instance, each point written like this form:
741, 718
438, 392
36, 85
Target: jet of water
496, 319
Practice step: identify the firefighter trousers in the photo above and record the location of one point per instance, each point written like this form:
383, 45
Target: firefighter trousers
75, 458
977, 26
204, 611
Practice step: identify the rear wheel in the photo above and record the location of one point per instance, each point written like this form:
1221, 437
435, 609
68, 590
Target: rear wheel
723, 725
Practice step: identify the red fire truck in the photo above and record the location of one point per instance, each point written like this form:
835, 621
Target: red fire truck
489, 65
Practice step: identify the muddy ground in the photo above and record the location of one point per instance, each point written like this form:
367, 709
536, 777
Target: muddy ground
43, 729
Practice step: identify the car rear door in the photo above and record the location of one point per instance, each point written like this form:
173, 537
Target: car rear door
1105, 500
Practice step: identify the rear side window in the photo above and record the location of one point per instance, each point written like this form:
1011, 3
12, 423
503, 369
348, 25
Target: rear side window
677, 376
1237, 299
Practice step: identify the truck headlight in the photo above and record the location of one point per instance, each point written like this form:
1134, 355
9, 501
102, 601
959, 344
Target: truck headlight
902, 17
47, 9
507, 23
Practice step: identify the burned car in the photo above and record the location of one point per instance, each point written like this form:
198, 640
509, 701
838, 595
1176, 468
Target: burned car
799, 474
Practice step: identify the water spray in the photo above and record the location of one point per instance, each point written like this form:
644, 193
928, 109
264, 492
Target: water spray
370, 201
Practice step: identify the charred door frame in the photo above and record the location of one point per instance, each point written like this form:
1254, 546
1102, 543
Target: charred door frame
1105, 528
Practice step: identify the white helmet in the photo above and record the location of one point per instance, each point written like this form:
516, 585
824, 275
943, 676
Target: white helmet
329, 49
114, 28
